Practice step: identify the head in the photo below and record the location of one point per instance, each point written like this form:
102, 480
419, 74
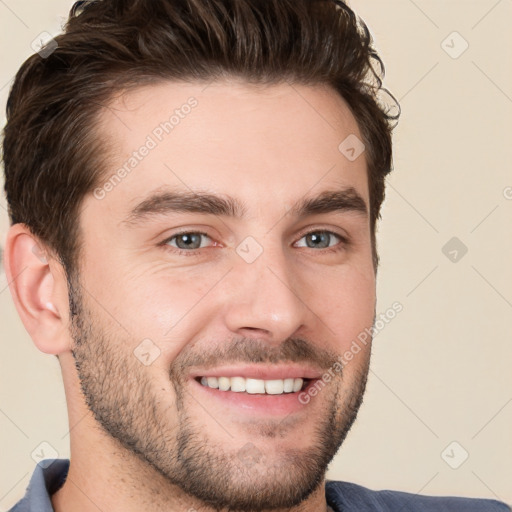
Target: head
204, 180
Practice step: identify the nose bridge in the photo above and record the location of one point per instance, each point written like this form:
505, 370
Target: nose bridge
263, 293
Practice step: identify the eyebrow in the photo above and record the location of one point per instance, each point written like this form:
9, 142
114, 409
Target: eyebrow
167, 201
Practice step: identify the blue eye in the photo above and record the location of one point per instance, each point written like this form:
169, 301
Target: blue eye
186, 241
189, 243
320, 239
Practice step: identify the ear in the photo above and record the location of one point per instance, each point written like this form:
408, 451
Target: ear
39, 289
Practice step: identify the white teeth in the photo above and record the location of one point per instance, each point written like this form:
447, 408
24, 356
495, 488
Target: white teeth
274, 387
288, 385
253, 386
297, 384
224, 383
213, 382
237, 384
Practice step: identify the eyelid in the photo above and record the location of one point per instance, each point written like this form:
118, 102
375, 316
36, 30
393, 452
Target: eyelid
342, 244
331, 233
187, 232
323, 229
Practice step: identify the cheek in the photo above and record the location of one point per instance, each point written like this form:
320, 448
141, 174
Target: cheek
166, 307
347, 303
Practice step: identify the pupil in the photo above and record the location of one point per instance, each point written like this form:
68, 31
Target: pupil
315, 238
188, 240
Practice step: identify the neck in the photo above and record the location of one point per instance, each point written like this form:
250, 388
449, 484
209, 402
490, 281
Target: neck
92, 485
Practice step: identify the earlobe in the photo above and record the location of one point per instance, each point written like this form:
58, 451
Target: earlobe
38, 288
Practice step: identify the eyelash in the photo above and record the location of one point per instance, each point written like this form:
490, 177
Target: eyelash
344, 241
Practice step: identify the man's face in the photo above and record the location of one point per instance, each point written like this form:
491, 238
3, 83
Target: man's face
259, 301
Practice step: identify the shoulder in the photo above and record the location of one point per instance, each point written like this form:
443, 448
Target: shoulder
352, 497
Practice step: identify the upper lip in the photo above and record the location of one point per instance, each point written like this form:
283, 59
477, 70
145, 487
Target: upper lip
261, 371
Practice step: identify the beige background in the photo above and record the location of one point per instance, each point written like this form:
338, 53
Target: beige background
441, 368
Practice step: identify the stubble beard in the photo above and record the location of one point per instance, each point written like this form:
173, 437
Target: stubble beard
244, 479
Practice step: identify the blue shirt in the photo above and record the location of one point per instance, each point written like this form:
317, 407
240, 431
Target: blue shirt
50, 474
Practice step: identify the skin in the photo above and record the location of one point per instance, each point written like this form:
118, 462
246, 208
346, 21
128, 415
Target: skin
268, 147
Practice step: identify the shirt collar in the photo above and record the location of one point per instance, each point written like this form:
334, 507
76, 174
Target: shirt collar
48, 477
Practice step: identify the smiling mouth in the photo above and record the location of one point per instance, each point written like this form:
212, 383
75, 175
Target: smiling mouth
255, 386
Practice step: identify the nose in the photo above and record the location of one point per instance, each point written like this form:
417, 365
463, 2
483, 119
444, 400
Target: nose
264, 299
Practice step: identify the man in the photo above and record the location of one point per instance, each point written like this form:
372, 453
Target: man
194, 188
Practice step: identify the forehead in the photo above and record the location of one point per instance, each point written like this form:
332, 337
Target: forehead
259, 143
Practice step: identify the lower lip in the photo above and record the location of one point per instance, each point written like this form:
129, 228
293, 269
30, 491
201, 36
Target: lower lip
269, 405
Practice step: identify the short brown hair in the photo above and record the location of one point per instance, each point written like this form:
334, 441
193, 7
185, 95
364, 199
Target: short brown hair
52, 157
